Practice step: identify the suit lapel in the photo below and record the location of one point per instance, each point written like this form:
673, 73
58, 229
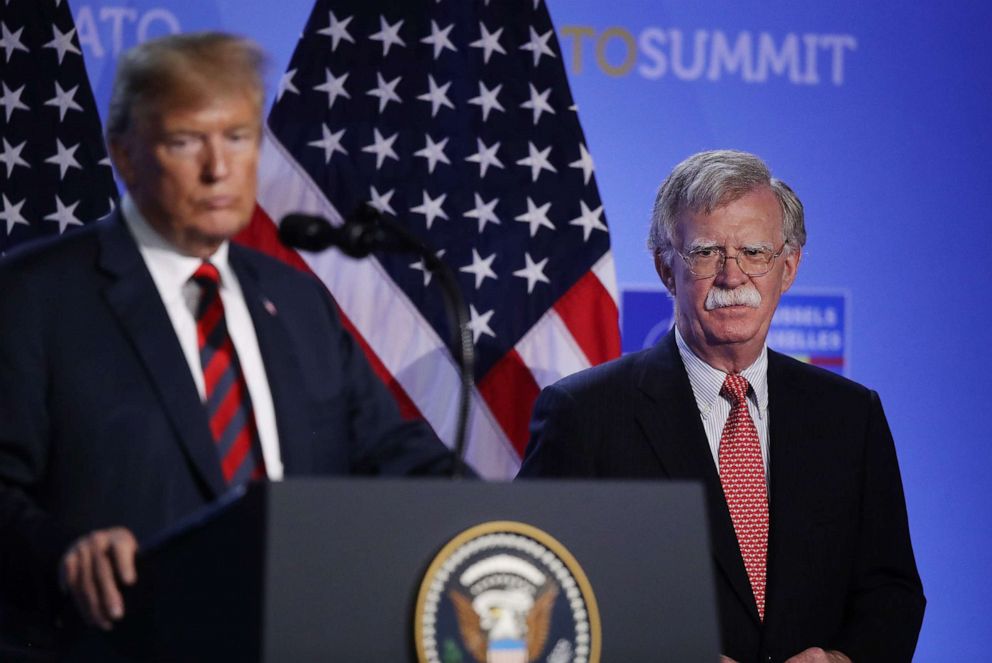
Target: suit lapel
786, 421
133, 298
282, 367
670, 419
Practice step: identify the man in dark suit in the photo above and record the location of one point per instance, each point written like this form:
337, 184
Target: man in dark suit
807, 514
147, 365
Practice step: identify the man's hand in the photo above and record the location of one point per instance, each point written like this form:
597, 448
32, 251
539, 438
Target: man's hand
811, 655
92, 569
817, 655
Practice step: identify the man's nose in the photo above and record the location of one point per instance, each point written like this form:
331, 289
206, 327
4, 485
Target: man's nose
731, 274
215, 162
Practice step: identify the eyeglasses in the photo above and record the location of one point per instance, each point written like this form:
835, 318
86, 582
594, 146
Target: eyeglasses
709, 261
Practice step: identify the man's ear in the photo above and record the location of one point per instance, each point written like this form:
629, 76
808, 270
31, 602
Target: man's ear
665, 272
121, 157
791, 262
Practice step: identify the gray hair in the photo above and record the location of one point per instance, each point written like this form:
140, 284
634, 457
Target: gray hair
708, 180
185, 71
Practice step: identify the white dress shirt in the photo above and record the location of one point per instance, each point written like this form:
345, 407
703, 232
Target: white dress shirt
714, 409
171, 271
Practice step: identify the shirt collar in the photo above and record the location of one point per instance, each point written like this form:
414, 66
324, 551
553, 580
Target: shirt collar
707, 381
170, 269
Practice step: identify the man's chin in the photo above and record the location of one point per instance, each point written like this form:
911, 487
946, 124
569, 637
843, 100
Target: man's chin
203, 239
732, 327
221, 225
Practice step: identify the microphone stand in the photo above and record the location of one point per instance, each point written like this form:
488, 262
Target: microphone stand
368, 230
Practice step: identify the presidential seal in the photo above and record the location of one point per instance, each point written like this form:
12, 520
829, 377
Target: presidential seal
506, 592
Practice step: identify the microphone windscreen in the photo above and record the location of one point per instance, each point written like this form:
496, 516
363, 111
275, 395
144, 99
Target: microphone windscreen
306, 232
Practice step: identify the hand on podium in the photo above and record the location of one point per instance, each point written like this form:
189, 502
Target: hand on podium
92, 570
817, 655
811, 655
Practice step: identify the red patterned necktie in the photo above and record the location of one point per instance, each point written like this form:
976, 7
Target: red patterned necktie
742, 474
228, 404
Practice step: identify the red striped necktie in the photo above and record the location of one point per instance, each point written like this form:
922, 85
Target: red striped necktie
228, 403
742, 474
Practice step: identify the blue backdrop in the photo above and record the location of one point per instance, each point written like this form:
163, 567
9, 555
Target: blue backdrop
878, 114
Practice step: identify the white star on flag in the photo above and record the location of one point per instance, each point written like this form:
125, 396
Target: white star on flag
439, 39
11, 100
11, 213
334, 87
488, 100
64, 157
483, 212
584, 162
488, 42
11, 41
381, 148
431, 208
589, 220
485, 156
436, 95
386, 92
533, 272
538, 45
337, 30
286, 84
65, 216
480, 267
380, 202
420, 267
538, 103
330, 142
479, 324
62, 42
536, 216
537, 160
64, 100
388, 34
433, 152
11, 156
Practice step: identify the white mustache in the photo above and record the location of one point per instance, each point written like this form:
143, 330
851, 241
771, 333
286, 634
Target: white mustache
744, 295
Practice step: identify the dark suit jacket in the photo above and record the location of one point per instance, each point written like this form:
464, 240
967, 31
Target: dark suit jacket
841, 572
100, 420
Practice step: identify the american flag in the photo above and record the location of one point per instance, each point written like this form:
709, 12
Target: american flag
455, 118
54, 170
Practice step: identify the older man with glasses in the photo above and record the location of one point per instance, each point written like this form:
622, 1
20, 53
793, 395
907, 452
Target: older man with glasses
813, 559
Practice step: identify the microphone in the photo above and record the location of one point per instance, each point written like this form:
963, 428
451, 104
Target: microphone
359, 234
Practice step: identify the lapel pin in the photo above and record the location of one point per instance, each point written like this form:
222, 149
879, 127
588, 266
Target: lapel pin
269, 306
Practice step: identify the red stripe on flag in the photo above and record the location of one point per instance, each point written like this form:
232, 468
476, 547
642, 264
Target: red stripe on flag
262, 235
591, 316
510, 390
